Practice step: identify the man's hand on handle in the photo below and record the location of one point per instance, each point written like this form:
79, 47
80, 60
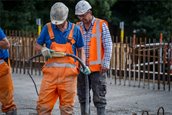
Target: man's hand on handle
86, 70
47, 53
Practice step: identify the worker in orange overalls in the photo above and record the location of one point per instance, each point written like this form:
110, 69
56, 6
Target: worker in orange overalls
6, 84
59, 74
98, 51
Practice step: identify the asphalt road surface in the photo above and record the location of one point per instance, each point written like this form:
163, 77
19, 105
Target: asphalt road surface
121, 100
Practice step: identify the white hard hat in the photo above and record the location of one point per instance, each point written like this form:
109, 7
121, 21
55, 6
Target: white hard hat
82, 7
58, 13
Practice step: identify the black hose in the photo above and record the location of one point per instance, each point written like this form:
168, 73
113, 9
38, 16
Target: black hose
29, 60
33, 83
78, 59
38, 55
87, 105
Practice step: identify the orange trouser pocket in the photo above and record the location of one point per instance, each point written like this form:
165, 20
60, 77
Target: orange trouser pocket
6, 88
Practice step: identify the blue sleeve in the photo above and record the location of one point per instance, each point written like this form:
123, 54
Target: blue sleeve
3, 52
2, 34
42, 37
78, 37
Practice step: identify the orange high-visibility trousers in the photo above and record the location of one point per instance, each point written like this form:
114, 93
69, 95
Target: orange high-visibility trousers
57, 83
6, 88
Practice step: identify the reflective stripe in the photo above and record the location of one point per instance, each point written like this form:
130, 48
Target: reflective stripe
98, 38
60, 65
71, 32
1, 61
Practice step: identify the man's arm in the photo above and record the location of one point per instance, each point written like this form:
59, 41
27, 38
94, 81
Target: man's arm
4, 43
38, 47
107, 44
81, 54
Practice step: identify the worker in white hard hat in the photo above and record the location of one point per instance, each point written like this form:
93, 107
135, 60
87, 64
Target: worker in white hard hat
59, 74
98, 51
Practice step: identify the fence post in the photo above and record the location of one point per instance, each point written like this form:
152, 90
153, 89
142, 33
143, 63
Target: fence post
170, 64
160, 41
170, 56
122, 31
133, 56
38, 22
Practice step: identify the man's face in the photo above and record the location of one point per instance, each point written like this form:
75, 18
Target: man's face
84, 17
61, 26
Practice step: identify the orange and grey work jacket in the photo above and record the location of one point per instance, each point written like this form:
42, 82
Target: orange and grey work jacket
66, 62
96, 52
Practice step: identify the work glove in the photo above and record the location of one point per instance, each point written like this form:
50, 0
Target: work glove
47, 52
86, 70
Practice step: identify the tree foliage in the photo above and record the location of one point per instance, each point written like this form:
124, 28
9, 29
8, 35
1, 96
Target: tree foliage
154, 16
102, 8
19, 15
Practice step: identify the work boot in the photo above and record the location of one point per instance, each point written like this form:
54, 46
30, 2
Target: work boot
101, 111
11, 112
82, 106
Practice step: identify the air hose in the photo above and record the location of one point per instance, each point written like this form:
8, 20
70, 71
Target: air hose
55, 54
61, 54
29, 60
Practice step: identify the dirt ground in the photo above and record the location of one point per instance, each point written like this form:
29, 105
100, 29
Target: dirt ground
121, 100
